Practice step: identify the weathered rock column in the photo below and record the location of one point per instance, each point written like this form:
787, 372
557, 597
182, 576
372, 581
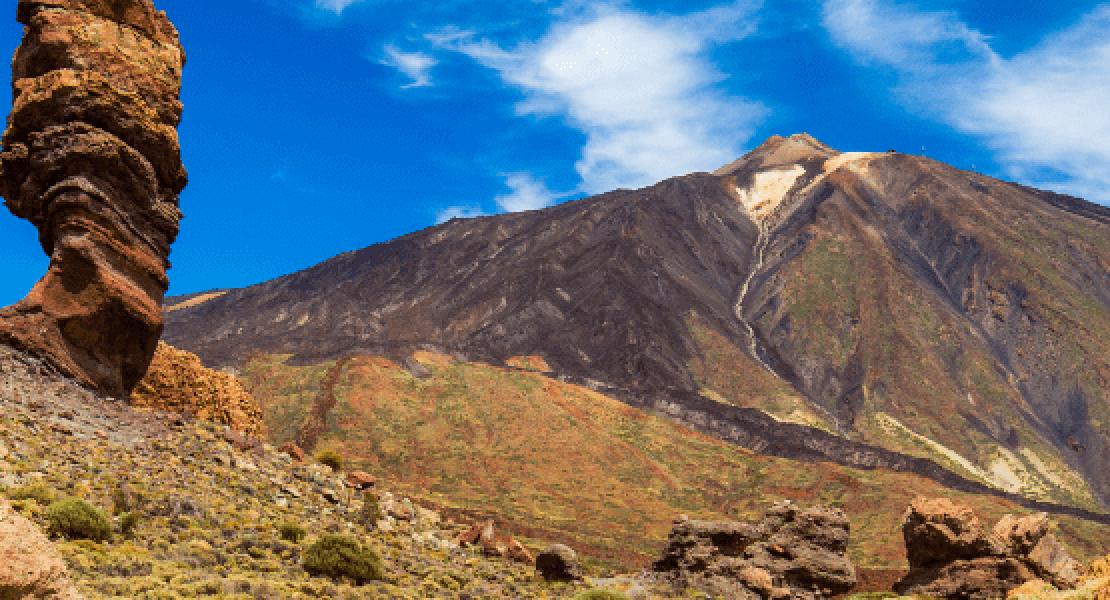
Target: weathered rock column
91, 158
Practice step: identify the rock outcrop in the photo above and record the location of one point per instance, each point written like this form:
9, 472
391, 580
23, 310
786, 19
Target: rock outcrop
494, 542
30, 566
177, 381
558, 562
790, 553
951, 556
91, 158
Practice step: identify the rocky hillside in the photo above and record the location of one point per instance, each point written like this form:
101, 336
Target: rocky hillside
875, 310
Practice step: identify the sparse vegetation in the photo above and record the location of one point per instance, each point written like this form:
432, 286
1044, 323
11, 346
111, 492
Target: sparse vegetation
341, 556
76, 519
600, 594
371, 512
128, 522
330, 458
291, 532
41, 494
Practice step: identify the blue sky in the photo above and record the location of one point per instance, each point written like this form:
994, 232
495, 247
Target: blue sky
314, 127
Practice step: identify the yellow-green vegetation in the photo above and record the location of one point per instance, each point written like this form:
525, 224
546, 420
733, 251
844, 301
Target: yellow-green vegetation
330, 458
561, 462
76, 519
341, 556
600, 594
291, 532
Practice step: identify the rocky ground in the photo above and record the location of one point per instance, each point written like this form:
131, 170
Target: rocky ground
209, 509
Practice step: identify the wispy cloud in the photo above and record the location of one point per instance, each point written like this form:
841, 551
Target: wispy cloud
335, 6
461, 212
640, 87
1042, 112
527, 194
414, 65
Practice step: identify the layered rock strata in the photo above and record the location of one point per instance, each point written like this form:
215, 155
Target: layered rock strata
791, 553
951, 556
91, 158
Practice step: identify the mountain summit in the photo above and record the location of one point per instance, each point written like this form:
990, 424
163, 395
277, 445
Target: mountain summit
873, 309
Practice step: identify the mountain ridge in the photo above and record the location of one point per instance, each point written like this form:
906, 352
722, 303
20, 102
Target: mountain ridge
855, 282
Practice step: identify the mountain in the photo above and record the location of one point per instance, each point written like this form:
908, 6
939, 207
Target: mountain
869, 309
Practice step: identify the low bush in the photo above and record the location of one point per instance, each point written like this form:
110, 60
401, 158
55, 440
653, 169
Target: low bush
127, 523
291, 532
330, 458
37, 492
371, 512
342, 556
78, 520
600, 594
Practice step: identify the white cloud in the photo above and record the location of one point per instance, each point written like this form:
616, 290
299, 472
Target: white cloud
901, 36
527, 194
414, 65
1042, 112
461, 212
335, 6
640, 87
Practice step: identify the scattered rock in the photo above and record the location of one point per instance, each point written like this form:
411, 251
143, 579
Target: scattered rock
292, 450
804, 552
359, 480
494, 543
30, 566
951, 556
558, 563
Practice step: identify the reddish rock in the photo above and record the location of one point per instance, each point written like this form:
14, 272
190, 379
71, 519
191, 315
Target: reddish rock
30, 566
951, 557
292, 450
359, 480
177, 382
495, 543
91, 159
938, 531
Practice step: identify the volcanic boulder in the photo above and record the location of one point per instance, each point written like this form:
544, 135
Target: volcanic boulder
801, 553
951, 556
30, 566
91, 159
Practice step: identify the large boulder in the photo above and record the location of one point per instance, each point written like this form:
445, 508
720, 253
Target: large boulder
951, 556
494, 542
30, 566
558, 562
801, 553
91, 158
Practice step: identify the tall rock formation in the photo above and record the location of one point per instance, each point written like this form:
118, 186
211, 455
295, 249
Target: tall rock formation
91, 158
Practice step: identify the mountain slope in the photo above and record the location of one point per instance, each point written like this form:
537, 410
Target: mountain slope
885, 299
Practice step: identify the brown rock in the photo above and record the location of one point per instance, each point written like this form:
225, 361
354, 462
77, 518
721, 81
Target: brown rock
951, 557
977, 579
494, 543
178, 382
938, 531
359, 480
1021, 533
91, 158
292, 450
558, 563
30, 566
1052, 562
802, 550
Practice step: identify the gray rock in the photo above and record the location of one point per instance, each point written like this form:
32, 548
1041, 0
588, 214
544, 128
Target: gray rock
558, 563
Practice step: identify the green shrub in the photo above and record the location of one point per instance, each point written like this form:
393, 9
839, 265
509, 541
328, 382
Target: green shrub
291, 532
341, 556
371, 512
77, 519
600, 594
37, 492
127, 523
330, 458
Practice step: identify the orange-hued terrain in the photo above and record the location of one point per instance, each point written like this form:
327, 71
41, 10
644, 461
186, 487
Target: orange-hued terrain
560, 462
